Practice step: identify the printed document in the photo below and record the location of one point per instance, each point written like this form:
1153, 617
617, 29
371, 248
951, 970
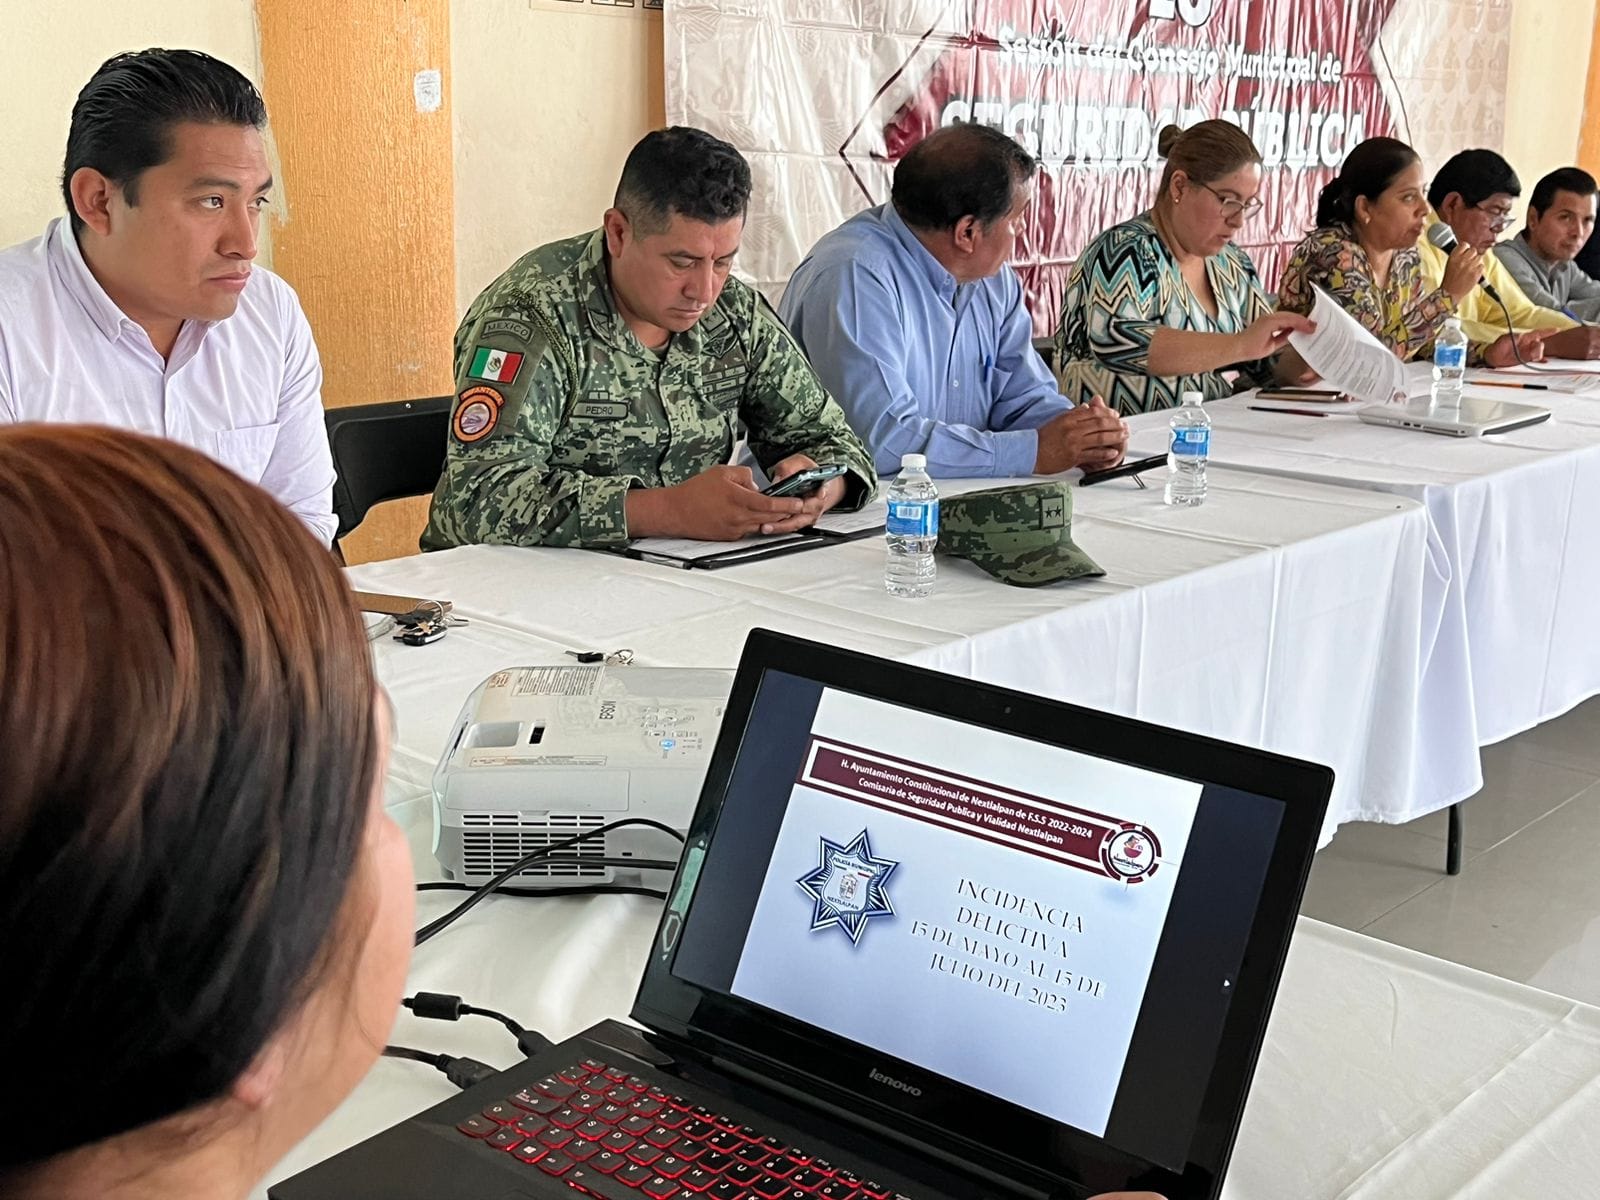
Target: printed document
1347, 356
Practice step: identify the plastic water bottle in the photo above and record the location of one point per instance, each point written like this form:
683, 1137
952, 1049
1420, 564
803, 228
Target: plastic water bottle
1191, 446
1449, 364
912, 529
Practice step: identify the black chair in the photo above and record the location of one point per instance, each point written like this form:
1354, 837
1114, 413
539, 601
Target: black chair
385, 452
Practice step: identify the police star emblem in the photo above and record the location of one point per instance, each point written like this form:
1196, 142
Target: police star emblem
847, 886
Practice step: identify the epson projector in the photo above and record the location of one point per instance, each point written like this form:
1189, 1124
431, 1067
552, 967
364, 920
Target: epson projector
540, 754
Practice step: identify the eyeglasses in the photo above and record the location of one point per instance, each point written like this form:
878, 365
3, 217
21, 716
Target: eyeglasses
1232, 207
1498, 219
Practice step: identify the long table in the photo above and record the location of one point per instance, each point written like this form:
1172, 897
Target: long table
1513, 514
1386, 1073
1296, 617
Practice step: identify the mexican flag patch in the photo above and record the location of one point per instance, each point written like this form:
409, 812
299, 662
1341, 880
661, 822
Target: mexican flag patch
497, 366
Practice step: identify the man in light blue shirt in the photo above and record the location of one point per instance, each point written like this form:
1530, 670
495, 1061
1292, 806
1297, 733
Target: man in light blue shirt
916, 325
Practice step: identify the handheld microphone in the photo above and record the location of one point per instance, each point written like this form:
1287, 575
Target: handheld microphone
1443, 237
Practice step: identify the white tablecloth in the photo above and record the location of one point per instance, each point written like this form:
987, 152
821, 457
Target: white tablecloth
1515, 515
1267, 613
1296, 617
1386, 1074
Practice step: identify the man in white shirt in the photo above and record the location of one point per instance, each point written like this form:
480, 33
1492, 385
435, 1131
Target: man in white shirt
143, 309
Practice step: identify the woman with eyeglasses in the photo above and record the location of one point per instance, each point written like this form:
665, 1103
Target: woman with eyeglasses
205, 912
1364, 254
1165, 303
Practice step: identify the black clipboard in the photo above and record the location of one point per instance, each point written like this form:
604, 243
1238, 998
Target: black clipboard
748, 551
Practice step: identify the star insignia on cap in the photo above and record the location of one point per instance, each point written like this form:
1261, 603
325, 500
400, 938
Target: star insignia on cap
847, 886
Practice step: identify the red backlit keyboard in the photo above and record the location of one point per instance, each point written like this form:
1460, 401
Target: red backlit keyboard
609, 1133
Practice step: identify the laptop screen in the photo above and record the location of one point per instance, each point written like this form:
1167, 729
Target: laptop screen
1057, 930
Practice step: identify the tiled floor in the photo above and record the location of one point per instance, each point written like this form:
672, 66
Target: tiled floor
1526, 905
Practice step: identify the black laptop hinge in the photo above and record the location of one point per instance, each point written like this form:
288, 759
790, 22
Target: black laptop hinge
806, 1095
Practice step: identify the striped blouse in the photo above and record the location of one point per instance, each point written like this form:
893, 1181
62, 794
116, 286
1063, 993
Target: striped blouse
1126, 286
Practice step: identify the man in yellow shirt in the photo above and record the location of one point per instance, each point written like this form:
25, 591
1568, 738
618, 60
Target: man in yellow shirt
1473, 194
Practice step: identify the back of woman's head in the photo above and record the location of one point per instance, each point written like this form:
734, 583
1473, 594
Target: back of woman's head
1367, 172
1204, 152
187, 716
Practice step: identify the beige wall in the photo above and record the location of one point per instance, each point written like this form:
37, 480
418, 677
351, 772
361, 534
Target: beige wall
1547, 75
549, 97
49, 50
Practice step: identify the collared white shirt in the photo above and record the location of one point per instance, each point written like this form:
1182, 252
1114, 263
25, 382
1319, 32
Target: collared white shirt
247, 390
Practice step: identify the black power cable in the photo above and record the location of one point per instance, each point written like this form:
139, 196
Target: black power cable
441, 923
463, 1072
574, 889
438, 1006
1512, 330
579, 889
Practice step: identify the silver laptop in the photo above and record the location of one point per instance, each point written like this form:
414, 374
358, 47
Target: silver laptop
1472, 417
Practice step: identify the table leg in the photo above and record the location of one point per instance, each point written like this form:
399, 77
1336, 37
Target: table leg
1452, 846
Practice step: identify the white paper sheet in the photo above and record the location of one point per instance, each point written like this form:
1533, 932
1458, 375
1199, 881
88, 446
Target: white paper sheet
1572, 383
1347, 356
871, 516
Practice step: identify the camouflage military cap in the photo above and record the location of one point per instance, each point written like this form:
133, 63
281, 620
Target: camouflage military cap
1021, 535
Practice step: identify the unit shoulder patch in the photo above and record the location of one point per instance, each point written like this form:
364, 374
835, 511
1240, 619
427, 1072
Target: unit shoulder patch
477, 413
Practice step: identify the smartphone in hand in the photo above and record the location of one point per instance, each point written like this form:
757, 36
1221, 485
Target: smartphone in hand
807, 479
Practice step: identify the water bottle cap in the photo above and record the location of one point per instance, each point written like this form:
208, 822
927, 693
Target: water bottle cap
1193, 397
913, 462
1452, 322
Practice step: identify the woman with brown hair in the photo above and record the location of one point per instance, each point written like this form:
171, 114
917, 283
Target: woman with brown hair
1165, 303
205, 914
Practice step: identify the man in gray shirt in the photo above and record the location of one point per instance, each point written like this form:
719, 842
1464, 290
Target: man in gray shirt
1561, 215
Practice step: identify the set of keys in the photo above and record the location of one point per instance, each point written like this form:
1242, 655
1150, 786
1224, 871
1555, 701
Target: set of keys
426, 623
620, 658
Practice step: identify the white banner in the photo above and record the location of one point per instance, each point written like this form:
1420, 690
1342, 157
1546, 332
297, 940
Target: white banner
824, 96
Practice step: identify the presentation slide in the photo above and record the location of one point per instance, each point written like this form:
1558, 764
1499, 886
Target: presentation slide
980, 905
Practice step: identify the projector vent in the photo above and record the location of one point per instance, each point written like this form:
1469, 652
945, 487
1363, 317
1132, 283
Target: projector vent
493, 842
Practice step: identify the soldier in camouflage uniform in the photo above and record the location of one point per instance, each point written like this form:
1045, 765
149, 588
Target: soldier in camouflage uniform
602, 380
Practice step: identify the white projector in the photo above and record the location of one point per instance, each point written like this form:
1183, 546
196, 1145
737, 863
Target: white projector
540, 754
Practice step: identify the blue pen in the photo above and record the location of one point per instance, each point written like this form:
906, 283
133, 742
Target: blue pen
1567, 312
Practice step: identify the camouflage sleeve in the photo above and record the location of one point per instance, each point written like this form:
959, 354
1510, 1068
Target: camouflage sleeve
514, 379
787, 411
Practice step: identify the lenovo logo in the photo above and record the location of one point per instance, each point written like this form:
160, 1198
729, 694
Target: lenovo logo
878, 1076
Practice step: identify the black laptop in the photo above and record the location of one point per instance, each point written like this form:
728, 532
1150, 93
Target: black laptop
929, 939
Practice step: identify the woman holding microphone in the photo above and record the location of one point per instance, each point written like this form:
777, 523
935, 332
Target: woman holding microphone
1363, 253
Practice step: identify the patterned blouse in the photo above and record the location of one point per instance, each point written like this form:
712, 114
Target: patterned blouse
1403, 313
1126, 286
